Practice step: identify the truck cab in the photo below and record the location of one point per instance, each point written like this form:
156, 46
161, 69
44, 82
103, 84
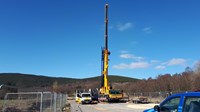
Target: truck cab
183, 102
115, 94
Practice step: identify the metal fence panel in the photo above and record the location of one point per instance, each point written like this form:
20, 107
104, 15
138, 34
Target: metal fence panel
34, 102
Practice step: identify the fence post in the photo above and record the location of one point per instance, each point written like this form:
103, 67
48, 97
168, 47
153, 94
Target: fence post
55, 101
5, 101
51, 103
41, 101
61, 99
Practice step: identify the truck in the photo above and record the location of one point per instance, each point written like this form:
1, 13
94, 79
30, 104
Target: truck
182, 102
115, 95
90, 96
83, 97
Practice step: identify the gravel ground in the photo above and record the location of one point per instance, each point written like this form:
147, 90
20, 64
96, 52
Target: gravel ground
114, 107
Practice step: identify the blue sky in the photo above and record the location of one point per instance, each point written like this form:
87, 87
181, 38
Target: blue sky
63, 38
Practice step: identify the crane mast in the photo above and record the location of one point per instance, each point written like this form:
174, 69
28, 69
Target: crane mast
105, 53
106, 93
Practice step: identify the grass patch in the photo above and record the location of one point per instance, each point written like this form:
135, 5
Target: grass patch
1, 104
66, 108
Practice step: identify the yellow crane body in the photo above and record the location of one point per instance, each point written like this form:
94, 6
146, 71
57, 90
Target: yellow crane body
106, 90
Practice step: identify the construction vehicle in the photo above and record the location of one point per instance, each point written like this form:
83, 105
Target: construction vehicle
106, 91
83, 97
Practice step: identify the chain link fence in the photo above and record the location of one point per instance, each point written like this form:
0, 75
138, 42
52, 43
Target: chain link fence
34, 102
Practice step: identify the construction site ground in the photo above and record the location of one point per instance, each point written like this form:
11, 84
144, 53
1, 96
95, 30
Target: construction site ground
109, 107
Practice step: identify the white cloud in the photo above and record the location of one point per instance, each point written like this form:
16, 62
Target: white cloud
125, 26
121, 66
160, 67
147, 30
131, 56
126, 56
133, 65
176, 61
171, 62
196, 64
139, 65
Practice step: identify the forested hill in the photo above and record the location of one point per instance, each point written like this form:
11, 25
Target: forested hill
29, 80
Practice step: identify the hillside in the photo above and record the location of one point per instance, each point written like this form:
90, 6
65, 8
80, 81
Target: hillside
114, 78
29, 80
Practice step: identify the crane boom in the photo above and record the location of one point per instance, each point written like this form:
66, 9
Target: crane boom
105, 53
106, 90
106, 27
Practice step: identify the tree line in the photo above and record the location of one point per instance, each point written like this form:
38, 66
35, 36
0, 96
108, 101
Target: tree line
189, 80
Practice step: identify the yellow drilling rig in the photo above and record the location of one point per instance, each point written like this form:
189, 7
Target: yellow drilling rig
106, 91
